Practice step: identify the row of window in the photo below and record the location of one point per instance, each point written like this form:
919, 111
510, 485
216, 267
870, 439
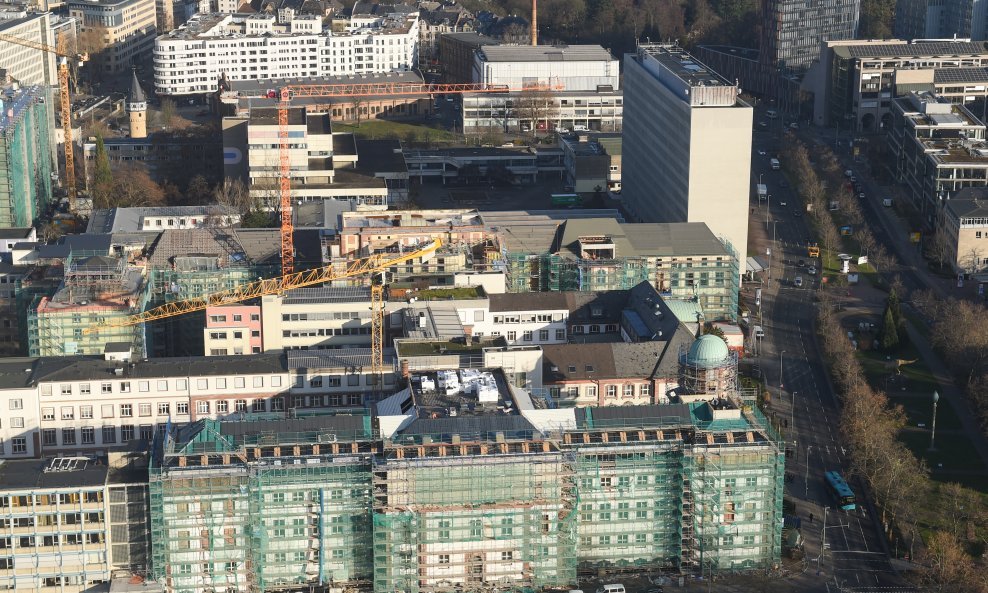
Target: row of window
611, 391
525, 318
236, 318
87, 435
529, 335
49, 541
162, 385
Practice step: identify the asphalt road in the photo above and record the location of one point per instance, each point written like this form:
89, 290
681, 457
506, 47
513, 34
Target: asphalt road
803, 398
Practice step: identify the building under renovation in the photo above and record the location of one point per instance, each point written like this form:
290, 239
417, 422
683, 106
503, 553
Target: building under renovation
462, 482
95, 290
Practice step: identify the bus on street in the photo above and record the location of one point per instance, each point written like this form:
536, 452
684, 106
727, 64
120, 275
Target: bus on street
839, 490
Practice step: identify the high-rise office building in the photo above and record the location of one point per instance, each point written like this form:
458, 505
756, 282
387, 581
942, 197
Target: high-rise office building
941, 19
792, 31
687, 144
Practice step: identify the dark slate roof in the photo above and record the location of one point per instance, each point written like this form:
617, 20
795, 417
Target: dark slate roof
15, 233
343, 425
471, 427
81, 368
968, 202
634, 416
136, 92
528, 301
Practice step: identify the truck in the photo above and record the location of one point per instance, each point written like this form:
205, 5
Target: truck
762, 190
813, 250
775, 164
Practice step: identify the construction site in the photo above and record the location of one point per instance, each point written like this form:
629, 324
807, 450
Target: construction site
95, 289
464, 485
191, 263
26, 154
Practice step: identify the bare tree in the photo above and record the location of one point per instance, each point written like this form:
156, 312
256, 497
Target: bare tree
537, 106
940, 247
358, 106
233, 194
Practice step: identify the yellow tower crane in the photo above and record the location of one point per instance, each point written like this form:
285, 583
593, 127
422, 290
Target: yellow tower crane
359, 267
66, 104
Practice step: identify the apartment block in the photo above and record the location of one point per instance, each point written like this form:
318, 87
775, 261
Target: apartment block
939, 149
687, 143
482, 481
27, 157
268, 47
963, 223
233, 329
70, 523
127, 28
858, 80
85, 405
324, 318
681, 260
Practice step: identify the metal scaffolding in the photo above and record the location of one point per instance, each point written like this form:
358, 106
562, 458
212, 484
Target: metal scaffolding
476, 512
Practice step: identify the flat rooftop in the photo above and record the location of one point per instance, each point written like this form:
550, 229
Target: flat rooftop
913, 50
544, 53
405, 348
684, 66
65, 472
412, 219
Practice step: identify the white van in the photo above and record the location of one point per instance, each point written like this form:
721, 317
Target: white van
759, 332
798, 282
615, 588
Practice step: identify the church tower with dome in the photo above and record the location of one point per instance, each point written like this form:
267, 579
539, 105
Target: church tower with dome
708, 371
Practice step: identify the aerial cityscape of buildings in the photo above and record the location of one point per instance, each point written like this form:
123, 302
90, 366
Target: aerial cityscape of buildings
332, 297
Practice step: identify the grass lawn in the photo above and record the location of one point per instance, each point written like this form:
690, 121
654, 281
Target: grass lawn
381, 128
953, 452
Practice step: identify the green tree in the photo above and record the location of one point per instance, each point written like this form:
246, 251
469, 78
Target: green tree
890, 331
256, 219
102, 175
713, 330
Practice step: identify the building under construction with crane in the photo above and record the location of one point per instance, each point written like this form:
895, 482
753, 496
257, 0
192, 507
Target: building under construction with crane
462, 482
27, 157
96, 291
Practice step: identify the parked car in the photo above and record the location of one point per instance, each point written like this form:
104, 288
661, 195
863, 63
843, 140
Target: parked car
811, 271
861, 196
794, 126
797, 213
762, 124
801, 263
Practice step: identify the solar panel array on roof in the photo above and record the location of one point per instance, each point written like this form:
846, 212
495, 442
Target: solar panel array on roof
960, 75
932, 48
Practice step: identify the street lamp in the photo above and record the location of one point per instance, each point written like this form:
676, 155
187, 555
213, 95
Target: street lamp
759, 179
823, 539
806, 476
792, 412
933, 431
781, 382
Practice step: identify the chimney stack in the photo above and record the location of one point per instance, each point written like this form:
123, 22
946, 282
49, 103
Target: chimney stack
535, 22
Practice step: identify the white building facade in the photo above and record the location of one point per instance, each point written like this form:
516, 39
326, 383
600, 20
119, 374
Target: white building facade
192, 59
